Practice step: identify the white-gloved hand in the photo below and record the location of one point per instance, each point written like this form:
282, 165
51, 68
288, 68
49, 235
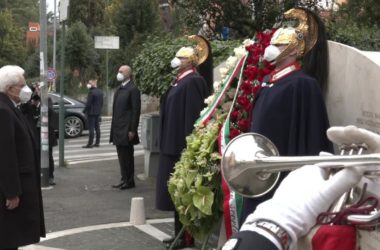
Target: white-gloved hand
301, 197
352, 134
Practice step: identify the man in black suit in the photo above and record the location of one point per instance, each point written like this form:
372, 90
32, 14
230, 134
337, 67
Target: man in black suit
21, 210
125, 122
93, 110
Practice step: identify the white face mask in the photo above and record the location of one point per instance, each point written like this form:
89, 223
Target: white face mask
271, 53
175, 63
25, 94
120, 77
89, 86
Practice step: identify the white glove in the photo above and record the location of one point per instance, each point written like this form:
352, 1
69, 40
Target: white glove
352, 134
301, 197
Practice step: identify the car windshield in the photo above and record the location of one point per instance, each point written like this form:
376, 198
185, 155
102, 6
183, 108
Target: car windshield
67, 100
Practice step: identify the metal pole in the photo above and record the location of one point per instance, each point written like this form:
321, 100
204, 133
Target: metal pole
44, 102
61, 102
107, 88
54, 42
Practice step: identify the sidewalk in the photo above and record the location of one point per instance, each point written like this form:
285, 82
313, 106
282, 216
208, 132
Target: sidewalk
83, 211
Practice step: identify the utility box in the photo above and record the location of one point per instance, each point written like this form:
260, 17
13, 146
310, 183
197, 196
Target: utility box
150, 125
149, 132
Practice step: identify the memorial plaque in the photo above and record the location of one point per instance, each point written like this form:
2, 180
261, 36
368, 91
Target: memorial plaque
353, 98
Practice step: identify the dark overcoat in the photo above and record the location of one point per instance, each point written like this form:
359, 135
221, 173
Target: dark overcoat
292, 114
125, 115
94, 102
19, 176
180, 108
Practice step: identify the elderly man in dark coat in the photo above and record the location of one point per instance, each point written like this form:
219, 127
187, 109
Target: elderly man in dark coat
125, 122
21, 211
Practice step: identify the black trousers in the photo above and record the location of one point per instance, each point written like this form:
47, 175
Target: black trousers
126, 162
93, 126
51, 163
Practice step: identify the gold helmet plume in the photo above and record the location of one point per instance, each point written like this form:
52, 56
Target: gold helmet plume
201, 50
301, 38
198, 54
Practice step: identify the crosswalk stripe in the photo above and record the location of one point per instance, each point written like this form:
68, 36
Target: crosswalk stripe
75, 154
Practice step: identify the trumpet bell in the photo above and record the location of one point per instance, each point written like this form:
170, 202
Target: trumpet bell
236, 165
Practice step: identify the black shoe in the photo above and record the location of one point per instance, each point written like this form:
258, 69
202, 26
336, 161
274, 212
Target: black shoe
168, 240
118, 185
127, 185
51, 182
180, 244
87, 146
96, 145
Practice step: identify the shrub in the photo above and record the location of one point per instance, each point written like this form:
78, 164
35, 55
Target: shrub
361, 37
151, 66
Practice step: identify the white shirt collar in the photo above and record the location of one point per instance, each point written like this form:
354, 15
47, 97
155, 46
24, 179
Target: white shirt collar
125, 82
14, 103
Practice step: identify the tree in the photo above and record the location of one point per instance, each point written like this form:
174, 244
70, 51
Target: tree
23, 11
367, 13
136, 17
12, 40
89, 12
244, 17
80, 54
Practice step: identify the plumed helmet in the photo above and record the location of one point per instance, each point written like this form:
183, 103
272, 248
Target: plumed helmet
186, 52
198, 54
301, 38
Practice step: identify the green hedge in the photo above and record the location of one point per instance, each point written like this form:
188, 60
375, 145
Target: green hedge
363, 38
152, 72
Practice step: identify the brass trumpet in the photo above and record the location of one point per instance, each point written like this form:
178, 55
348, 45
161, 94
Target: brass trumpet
251, 165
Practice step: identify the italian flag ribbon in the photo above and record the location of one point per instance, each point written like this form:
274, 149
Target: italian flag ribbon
211, 109
232, 201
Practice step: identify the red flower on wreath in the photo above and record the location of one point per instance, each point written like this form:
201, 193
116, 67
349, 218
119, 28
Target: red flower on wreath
255, 69
235, 115
244, 125
234, 132
243, 101
246, 87
250, 72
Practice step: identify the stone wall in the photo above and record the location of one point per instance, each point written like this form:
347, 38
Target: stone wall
353, 96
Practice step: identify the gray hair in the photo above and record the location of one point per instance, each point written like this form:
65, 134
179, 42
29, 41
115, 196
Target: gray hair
10, 75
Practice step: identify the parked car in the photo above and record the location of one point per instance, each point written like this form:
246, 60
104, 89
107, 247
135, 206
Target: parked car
75, 119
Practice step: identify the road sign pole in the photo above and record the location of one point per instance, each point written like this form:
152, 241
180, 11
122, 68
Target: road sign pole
61, 103
63, 13
44, 133
107, 88
107, 42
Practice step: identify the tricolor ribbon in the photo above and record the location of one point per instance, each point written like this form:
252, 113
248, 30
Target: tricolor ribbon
211, 109
232, 201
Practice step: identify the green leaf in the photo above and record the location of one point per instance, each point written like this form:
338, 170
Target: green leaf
190, 177
203, 200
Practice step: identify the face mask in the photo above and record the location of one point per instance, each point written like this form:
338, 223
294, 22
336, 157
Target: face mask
89, 86
271, 53
120, 77
175, 63
25, 94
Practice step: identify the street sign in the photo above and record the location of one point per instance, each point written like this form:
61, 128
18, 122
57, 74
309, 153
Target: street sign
106, 42
51, 74
63, 9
